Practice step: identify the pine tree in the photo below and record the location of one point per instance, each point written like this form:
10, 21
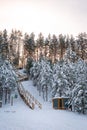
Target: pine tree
29, 44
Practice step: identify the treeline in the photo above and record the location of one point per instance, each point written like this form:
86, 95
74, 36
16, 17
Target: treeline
54, 47
10, 45
18, 46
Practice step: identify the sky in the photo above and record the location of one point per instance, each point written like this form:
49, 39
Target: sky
46, 16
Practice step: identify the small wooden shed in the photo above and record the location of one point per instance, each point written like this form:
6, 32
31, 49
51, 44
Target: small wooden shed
60, 102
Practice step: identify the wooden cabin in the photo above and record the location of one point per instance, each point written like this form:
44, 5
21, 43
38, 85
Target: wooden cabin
60, 103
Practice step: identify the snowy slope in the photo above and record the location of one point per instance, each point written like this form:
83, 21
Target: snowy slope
21, 117
28, 85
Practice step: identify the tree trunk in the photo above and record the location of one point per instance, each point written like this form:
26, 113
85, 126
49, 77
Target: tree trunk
9, 95
46, 93
5, 95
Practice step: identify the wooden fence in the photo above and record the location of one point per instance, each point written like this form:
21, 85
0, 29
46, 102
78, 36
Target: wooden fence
28, 98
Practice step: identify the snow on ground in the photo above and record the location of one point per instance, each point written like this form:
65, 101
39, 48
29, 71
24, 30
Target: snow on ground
21, 117
28, 85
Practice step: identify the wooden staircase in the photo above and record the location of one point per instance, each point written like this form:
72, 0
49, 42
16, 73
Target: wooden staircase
28, 98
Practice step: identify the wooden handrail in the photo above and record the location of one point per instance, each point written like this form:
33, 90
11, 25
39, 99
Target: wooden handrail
22, 78
28, 98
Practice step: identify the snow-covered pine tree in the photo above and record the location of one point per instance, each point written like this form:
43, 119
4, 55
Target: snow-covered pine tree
45, 78
34, 72
7, 77
41, 74
60, 83
80, 89
77, 78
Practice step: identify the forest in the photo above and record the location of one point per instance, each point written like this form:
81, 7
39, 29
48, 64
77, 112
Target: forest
56, 64
18, 47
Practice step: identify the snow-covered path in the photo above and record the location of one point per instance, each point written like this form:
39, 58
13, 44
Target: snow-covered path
21, 117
